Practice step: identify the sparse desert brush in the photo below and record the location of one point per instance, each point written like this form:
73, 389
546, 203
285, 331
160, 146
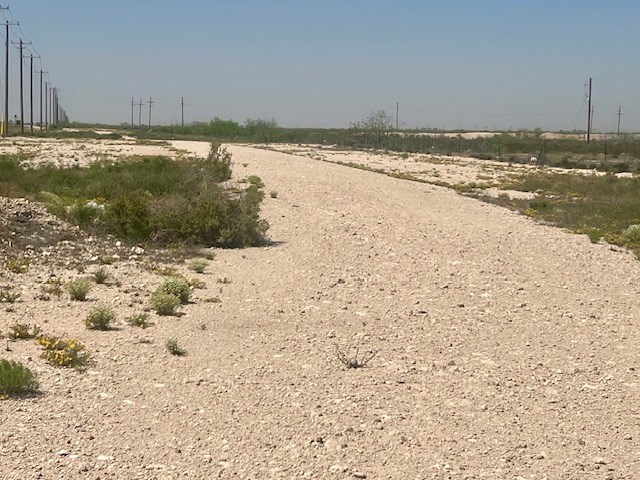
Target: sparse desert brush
8, 294
224, 281
78, 289
53, 286
198, 265
209, 254
164, 303
100, 318
174, 348
63, 352
255, 180
176, 286
167, 271
100, 275
18, 265
140, 320
16, 379
273, 194
23, 331
195, 282
632, 233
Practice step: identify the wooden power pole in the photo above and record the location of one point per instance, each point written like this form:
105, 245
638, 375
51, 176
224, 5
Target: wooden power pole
589, 114
150, 102
619, 115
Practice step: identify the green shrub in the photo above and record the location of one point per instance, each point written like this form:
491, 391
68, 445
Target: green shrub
273, 194
18, 265
23, 331
140, 320
255, 180
173, 348
176, 286
100, 276
16, 379
632, 233
78, 289
8, 294
164, 303
100, 318
198, 265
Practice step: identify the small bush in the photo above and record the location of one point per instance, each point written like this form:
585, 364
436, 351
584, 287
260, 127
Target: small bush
167, 271
100, 318
209, 254
224, 281
53, 286
63, 352
173, 348
23, 331
16, 379
164, 303
8, 294
140, 320
100, 276
18, 265
255, 180
198, 265
196, 283
176, 286
78, 289
632, 233
273, 194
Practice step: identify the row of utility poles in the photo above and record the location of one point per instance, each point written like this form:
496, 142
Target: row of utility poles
150, 102
51, 113
591, 109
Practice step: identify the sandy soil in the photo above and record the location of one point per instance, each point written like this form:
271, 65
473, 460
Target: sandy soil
505, 349
71, 152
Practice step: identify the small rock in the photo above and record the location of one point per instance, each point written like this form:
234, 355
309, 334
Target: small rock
104, 458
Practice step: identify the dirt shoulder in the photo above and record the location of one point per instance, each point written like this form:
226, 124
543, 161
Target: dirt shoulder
505, 349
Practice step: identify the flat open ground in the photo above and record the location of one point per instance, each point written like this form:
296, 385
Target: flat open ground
506, 349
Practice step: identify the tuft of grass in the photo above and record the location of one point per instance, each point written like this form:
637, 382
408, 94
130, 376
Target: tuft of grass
164, 303
23, 331
100, 276
8, 294
224, 281
63, 352
140, 320
53, 286
195, 282
174, 348
18, 265
198, 265
78, 289
16, 379
100, 318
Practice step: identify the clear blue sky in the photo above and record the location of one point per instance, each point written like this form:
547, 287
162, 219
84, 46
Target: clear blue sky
449, 64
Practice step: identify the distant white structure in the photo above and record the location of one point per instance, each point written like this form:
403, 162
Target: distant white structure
533, 160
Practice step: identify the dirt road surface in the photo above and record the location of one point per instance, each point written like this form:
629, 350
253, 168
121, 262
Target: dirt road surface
505, 350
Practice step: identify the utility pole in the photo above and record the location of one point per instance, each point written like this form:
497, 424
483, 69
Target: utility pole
41, 105
150, 102
589, 114
140, 113
397, 110
619, 115
182, 105
6, 73
46, 105
31, 91
21, 45
132, 105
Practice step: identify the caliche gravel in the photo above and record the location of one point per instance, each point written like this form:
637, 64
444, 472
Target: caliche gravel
504, 349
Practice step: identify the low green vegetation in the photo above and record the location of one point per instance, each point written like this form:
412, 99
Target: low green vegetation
78, 289
146, 199
164, 303
16, 379
174, 348
601, 206
100, 318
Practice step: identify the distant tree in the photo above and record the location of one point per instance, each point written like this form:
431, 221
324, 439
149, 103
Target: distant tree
378, 123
